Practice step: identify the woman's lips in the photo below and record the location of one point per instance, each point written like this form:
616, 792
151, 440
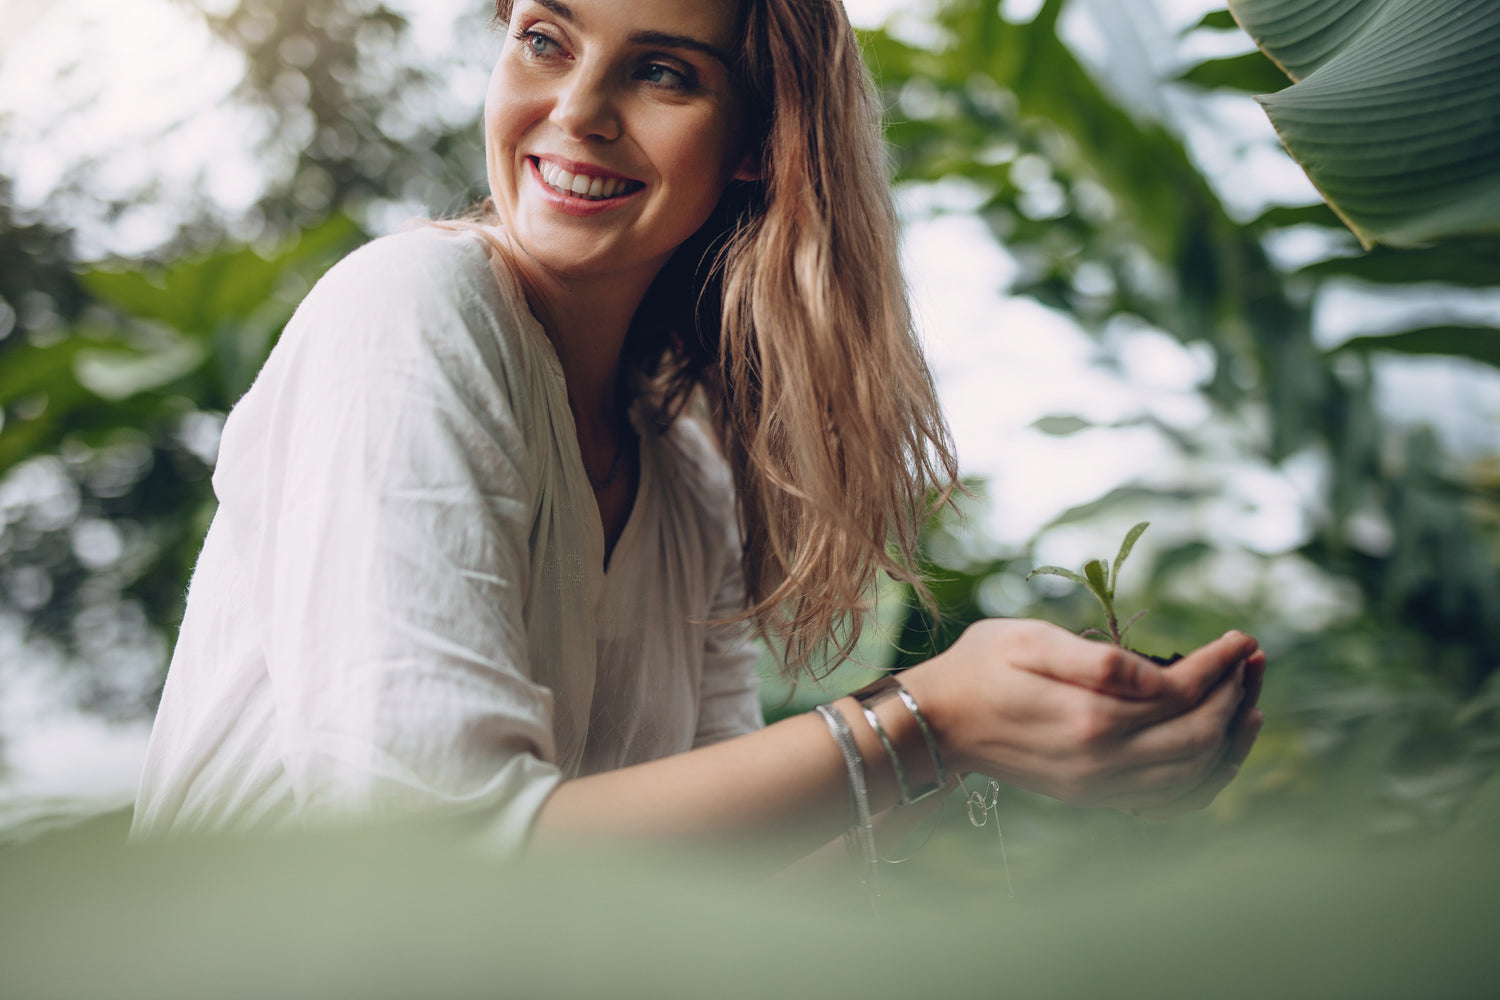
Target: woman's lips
582, 183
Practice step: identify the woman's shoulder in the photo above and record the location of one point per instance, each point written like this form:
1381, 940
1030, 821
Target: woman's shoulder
430, 292
426, 266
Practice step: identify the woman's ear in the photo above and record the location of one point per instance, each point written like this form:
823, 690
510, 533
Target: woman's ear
749, 168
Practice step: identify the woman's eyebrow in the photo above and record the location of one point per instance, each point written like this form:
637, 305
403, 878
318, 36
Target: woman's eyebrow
559, 8
663, 39
670, 41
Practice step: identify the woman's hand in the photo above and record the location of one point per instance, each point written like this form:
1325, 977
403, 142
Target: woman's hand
1092, 724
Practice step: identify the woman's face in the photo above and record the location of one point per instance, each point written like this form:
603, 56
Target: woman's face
611, 129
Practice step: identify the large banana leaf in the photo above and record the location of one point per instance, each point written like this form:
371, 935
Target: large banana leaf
1395, 114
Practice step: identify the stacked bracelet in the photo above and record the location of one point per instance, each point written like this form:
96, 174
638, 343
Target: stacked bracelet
889, 687
861, 834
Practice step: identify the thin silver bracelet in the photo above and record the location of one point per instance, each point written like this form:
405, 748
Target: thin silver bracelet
890, 751
861, 834
927, 734
889, 687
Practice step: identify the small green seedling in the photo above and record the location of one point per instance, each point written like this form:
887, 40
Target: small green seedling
1100, 579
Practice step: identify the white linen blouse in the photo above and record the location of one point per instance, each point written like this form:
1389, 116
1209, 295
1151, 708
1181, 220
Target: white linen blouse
401, 606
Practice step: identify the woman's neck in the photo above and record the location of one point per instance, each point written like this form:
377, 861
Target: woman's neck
587, 319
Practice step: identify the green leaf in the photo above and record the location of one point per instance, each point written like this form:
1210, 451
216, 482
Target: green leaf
1393, 115
1477, 343
1179, 557
1133, 619
1283, 216
1302, 35
1472, 263
1061, 426
1220, 20
1251, 72
29, 369
120, 373
1098, 577
195, 297
1129, 543
1066, 574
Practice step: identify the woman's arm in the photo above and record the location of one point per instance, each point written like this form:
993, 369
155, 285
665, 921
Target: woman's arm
1023, 701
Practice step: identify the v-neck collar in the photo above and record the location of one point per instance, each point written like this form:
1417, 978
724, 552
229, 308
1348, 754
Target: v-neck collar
646, 464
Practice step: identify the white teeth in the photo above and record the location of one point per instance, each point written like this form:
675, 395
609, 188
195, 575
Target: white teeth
580, 185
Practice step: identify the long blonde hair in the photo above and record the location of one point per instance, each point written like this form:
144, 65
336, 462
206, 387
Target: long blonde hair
788, 312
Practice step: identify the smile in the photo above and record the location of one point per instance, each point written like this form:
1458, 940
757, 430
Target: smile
582, 185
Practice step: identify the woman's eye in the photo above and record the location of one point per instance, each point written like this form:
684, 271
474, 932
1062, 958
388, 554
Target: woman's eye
662, 75
538, 44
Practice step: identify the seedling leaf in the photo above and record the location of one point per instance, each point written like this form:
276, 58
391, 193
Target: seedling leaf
1066, 574
1133, 619
1125, 548
1098, 577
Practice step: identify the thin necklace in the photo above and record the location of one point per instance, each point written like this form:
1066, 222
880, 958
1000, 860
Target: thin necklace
600, 485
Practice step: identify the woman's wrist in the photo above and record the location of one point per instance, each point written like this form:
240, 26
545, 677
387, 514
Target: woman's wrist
911, 749
929, 685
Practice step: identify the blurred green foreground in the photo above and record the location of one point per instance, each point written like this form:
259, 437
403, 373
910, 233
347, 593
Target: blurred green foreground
408, 914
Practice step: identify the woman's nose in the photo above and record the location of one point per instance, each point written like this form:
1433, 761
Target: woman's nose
585, 107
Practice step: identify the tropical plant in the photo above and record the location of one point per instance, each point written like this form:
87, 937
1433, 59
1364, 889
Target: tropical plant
1403, 528
1393, 111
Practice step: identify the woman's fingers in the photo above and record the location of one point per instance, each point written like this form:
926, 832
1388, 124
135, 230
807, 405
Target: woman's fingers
1086, 722
1202, 729
1205, 793
1054, 652
1255, 672
1243, 730
1163, 762
1201, 671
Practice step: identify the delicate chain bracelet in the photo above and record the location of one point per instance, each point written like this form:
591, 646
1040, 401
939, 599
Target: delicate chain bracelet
861, 834
881, 690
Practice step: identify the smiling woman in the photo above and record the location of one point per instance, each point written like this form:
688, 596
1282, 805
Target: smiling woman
511, 493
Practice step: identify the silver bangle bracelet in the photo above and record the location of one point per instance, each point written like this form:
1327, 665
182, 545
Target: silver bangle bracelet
861, 833
927, 734
889, 687
890, 751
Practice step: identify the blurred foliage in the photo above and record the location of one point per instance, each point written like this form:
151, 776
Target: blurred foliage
117, 374
1388, 703
362, 121
403, 914
114, 378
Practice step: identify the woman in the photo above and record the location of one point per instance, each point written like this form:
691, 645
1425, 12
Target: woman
472, 556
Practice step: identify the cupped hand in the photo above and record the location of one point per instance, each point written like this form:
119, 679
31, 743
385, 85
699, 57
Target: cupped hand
1243, 731
1088, 723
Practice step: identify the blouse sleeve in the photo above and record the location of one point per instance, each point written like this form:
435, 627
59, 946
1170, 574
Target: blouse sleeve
388, 452
729, 697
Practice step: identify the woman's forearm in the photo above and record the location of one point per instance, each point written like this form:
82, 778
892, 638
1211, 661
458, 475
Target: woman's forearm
784, 786
1026, 702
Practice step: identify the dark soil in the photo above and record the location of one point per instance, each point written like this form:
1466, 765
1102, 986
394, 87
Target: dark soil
1165, 661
